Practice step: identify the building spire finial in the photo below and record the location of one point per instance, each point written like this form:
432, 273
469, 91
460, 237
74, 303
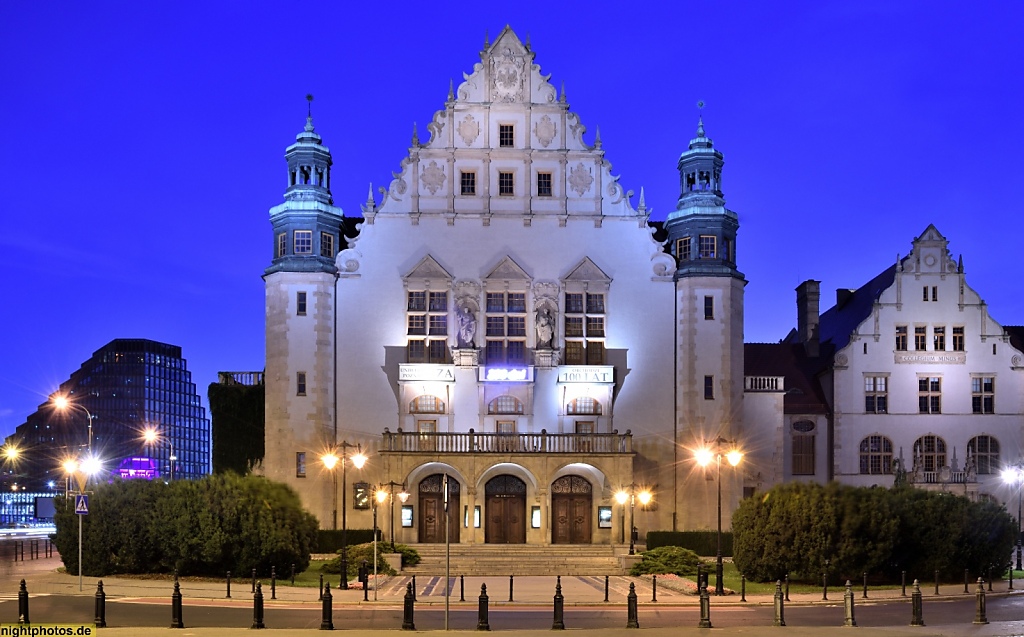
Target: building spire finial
642, 205
451, 90
369, 197
597, 138
415, 135
309, 112
487, 40
700, 118
561, 97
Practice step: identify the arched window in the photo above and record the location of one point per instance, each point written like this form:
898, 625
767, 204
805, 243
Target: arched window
929, 453
505, 405
583, 406
985, 450
426, 405
876, 455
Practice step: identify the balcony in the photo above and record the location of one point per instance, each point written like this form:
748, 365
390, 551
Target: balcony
763, 383
472, 442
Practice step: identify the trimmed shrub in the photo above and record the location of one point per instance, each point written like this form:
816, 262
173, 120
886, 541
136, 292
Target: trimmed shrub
803, 528
667, 559
202, 527
357, 554
700, 542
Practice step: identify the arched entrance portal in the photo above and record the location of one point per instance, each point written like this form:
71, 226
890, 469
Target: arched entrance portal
506, 510
432, 509
571, 504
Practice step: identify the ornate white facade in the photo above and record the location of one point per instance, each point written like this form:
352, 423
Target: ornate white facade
503, 315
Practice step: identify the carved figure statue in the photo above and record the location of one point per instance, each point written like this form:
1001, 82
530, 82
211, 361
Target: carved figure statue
467, 327
971, 468
900, 473
545, 329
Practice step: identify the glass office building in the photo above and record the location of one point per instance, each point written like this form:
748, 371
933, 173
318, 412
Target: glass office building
129, 386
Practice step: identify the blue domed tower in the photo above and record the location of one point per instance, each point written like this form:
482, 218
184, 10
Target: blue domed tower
300, 288
709, 325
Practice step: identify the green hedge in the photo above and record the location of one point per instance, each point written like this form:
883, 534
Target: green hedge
700, 542
201, 527
329, 540
803, 528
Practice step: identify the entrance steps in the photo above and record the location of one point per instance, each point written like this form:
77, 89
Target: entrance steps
519, 559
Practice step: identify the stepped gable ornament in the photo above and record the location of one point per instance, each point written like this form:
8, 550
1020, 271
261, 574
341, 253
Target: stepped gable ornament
507, 76
469, 130
432, 177
580, 179
545, 131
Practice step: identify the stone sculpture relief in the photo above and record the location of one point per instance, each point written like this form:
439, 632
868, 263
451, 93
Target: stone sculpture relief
580, 179
545, 329
469, 130
545, 131
467, 327
432, 177
507, 74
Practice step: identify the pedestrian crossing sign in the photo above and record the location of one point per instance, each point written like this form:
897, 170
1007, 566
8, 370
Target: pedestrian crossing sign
82, 504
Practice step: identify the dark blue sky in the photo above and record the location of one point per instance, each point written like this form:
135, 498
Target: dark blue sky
142, 145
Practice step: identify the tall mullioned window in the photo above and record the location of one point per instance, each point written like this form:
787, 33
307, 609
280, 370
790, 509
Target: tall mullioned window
939, 338
929, 453
427, 327
929, 394
584, 328
876, 394
984, 450
506, 328
958, 339
506, 135
983, 394
467, 182
506, 183
901, 338
544, 185
303, 242
920, 338
876, 455
683, 249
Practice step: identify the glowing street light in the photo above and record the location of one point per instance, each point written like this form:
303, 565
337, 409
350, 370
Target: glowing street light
63, 403
631, 494
81, 472
1015, 475
152, 436
330, 460
704, 456
403, 495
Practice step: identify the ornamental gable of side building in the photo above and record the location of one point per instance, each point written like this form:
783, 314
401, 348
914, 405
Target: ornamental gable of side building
925, 385
504, 316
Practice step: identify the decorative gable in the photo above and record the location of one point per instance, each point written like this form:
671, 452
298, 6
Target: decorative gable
508, 270
587, 276
930, 254
429, 275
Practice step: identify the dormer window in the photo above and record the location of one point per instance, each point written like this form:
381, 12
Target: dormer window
327, 245
683, 249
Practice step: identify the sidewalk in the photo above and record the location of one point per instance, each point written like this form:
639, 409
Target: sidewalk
42, 577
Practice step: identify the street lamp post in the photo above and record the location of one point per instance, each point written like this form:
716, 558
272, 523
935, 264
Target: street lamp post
704, 457
631, 495
74, 468
403, 495
151, 436
379, 496
331, 460
1015, 475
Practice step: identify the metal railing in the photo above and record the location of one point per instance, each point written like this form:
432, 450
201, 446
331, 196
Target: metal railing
472, 442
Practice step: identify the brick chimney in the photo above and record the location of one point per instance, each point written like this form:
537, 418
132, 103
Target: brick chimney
808, 294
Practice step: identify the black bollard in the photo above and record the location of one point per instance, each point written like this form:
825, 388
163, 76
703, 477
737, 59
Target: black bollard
321, 598
408, 609
780, 606
23, 604
481, 615
273, 583
824, 587
1009, 568
511, 584
916, 604
979, 610
293, 574
787, 587
257, 607
606, 588
865, 585
366, 588
253, 581
101, 606
936, 581
848, 604
631, 618
966, 575
743, 588
462, 588
327, 614
705, 609
903, 583
654, 588
176, 620
414, 588
559, 621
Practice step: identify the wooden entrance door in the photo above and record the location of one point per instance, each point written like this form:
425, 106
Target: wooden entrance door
432, 510
506, 510
571, 506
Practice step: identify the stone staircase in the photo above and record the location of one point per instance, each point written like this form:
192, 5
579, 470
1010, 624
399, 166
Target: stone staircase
519, 559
